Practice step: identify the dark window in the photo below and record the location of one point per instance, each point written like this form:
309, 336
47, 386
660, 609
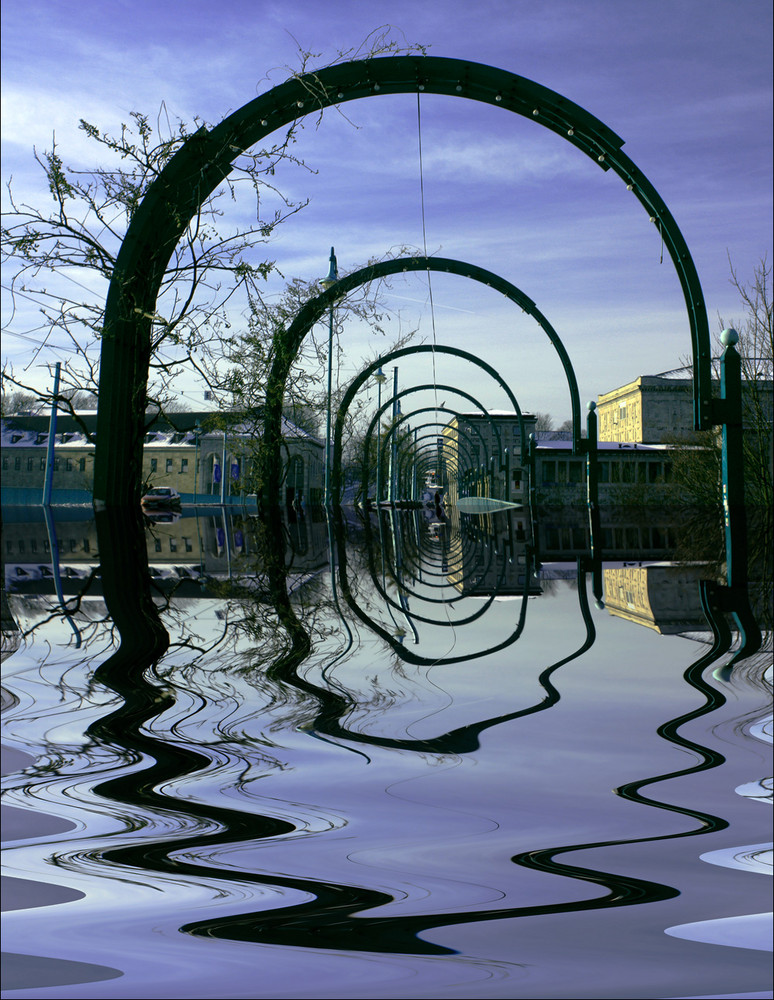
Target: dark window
173, 545
549, 472
188, 545
17, 463
86, 545
576, 472
30, 464
157, 544
42, 464
169, 465
604, 472
5, 463
627, 473
615, 473
82, 464
184, 465
21, 545
642, 472
154, 464
654, 472
667, 472
33, 545
68, 465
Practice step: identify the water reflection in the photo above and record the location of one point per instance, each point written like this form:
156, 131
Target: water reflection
335, 734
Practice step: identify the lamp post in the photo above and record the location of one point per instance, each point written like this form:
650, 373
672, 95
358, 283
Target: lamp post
327, 282
394, 446
381, 378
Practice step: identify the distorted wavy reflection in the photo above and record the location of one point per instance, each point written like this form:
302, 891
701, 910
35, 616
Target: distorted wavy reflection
383, 755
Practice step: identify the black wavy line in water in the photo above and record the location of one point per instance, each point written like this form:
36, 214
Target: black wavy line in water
331, 919
314, 925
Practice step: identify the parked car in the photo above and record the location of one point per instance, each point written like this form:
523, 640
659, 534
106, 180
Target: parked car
161, 496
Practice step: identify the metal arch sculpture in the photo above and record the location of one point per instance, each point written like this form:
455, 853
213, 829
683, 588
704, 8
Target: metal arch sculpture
206, 160
366, 373
443, 409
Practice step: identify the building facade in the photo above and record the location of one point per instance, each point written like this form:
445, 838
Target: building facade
482, 455
198, 463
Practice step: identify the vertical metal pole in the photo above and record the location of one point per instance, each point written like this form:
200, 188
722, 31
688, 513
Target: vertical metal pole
223, 472
379, 442
328, 282
394, 443
734, 514
51, 438
592, 496
592, 465
328, 408
197, 430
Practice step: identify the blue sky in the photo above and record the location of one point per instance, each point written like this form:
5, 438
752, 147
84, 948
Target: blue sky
686, 84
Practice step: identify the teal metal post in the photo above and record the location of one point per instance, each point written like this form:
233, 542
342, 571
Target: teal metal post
328, 282
734, 513
592, 465
381, 378
51, 439
394, 443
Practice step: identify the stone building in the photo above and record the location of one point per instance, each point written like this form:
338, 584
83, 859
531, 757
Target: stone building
209, 465
482, 454
657, 408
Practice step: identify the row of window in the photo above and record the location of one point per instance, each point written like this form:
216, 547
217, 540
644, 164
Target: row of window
70, 464
169, 465
633, 538
22, 546
646, 471
173, 546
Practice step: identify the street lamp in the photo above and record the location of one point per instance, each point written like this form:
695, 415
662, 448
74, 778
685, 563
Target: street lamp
381, 378
328, 282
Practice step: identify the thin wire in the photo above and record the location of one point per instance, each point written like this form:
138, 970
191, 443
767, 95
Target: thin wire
432, 353
424, 243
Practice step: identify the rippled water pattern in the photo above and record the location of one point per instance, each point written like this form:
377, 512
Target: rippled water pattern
385, 783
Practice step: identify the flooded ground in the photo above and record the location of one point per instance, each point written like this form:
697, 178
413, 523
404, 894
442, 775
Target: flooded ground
388, 757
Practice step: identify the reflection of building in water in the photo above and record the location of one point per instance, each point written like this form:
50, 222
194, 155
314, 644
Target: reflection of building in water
187, 457
630, 533
494, 555
213, 544
661, 596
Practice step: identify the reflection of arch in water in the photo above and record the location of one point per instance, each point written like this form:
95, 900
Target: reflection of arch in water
445, 601
206, 159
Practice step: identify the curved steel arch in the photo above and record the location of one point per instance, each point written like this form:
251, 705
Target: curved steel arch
407, 392
206, 159
364, 375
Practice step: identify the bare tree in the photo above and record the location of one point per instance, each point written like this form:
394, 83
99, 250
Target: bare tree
64, 253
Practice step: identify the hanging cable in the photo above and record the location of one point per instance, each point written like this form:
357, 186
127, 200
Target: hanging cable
424, 243
432, 319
